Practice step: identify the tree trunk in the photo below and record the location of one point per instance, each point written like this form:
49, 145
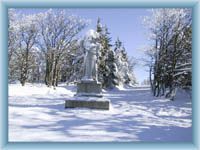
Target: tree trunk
150, 78
55, 73
24, 69
49, 67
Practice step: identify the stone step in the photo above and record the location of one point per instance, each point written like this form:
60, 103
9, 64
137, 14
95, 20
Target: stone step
79, 102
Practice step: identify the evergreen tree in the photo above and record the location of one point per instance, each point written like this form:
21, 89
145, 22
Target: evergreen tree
118, 45
111, 79
99, 26
104, 40
124, 65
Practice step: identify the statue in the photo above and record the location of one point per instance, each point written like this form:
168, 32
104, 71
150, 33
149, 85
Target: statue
91, 47
89, 85
89, 90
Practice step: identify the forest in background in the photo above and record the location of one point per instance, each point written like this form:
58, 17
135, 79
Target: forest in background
46, 48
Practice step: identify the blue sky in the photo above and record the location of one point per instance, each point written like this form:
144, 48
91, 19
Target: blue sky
125, 23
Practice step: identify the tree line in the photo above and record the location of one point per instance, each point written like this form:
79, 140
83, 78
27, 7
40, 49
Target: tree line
170, 51
45, 47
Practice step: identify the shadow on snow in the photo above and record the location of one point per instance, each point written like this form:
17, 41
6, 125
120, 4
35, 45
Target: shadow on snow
135, 115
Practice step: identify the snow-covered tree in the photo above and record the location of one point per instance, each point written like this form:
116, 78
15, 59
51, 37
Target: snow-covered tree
112, 78
77, 60
171, 31
12, 44
57, 31
47, 38
12, 35
148, 61
124, 64
22, 37
132, 62
45, 47
104, 69
37, 70
28, 35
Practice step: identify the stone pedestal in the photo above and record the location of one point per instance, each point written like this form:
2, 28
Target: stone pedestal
89, 95
88, 102
89, 88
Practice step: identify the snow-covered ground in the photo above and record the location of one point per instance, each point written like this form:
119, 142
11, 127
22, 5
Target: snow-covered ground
37, 113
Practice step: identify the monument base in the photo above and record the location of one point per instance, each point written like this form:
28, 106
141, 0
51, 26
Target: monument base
88, 102
89, 88
89, 95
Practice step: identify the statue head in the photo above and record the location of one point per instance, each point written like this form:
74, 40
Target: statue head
92, 35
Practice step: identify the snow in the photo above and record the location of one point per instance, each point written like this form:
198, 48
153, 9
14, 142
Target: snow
92, 33
37, 113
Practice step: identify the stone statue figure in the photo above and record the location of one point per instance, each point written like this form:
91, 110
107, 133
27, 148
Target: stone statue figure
89, 90
91, 47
